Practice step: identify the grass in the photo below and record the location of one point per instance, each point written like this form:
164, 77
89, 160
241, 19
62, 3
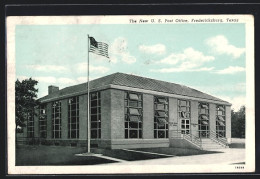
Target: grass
177, 151
127, 155
29, 155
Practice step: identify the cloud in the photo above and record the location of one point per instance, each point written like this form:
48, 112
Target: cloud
219, 89
236, 101
119, 49
220, 45
231, 70
189, 55
171, 70
21, 78
113, 59
188, 60
153, 49
83, 67
66, 81
47, 68
46, 79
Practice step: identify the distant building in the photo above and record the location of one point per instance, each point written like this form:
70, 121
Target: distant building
129, 111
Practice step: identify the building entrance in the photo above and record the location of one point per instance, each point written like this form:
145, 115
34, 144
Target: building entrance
184, 115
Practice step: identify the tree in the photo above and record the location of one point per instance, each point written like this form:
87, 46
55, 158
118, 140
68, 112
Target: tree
25, 100
238, 122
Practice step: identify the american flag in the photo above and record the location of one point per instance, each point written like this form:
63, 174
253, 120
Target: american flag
99, 48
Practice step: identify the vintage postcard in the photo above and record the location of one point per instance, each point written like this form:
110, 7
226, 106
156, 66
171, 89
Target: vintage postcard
130, 94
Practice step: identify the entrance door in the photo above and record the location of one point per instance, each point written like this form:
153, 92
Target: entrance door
203, 120
184, 115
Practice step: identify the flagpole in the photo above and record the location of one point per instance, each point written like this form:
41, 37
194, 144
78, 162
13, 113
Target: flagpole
88, 103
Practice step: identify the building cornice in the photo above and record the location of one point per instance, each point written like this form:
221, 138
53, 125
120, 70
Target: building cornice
126, 88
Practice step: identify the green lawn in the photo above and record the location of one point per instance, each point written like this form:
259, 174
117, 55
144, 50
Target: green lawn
54, 155
177, 151
29, 155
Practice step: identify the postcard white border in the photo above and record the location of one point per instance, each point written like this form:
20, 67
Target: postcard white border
12, 21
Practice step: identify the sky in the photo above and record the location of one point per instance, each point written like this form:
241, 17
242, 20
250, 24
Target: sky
207, 57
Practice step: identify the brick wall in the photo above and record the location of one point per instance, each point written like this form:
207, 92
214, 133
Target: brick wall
83, 107
212, 117
117, 114
106, 114
228, 123
194, 118
173, 115
148, 116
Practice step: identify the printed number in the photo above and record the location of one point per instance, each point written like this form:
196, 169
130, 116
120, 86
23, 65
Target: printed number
239, 167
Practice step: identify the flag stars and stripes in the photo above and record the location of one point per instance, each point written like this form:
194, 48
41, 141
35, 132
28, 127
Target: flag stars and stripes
99, 48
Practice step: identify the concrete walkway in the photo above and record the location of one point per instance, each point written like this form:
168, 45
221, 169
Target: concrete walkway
229, 156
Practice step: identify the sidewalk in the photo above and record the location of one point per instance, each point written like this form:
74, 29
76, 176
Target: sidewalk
229, 156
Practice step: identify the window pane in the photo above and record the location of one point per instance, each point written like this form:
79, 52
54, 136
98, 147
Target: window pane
93, 110
93, 96
99, 133
93, 125
161, 134
134, 118
73, 134
133, 103
133, 133
134, 111
161, 100
160, 107
182, 103
126, 134
93, 133
94, 103
183, 109
133, 125
133, 96
220, 113
140, 134
93, 117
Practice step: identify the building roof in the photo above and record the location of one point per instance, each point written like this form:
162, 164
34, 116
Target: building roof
133, 81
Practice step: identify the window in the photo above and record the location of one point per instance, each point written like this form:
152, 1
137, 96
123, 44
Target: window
30, 125
43, 122
133, 115
184, 115
95, 112
220, 121
160, 117
203, 109
56, 120
73, 117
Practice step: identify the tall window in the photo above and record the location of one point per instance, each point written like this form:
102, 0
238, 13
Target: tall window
203, 120
184, 115
30, 125
43, 121
133, 115
95, 112
220, 121
160, 117
56, 120
73, 117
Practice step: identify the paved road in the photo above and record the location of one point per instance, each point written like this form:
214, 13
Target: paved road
229, 156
